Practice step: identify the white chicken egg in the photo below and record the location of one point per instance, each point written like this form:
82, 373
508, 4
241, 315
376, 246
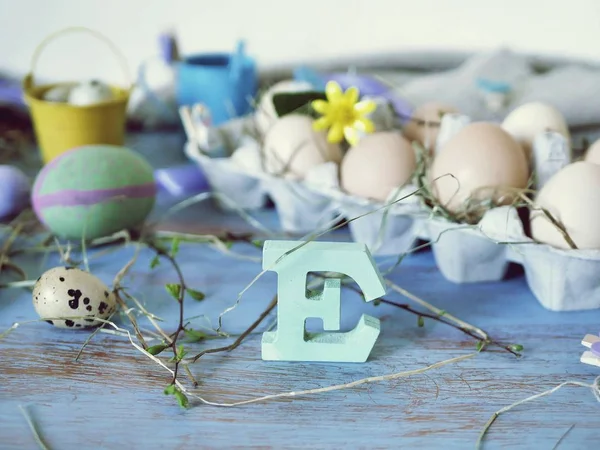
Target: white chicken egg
572, 197
90, 93
266, 115
593, 153
77, 296
531, 119
292, 147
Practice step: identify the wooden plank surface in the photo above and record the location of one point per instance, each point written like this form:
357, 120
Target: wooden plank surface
112, 397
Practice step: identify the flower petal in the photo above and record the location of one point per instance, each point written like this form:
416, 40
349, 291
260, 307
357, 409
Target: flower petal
351, 95
336, 133
320, 106
351, 135
365, 107
365, 125
321, 123
333, 91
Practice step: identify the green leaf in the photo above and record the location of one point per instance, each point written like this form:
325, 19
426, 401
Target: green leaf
170, 389
194, 335
258, 243
295, 102
442, 313
174, 247
181, 398
157, 349
516, 347
181, 352
174, 289
479, 346
155, 262
228, 244
196, 295
376, 302
420, 321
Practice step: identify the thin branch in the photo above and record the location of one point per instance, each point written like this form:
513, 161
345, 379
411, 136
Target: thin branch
595, 388
34, 430
241, 337
131, 318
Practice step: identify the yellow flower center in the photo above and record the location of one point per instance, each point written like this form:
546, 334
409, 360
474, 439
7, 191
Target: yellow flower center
344, 115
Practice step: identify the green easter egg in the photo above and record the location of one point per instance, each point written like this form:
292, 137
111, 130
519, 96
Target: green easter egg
94, 191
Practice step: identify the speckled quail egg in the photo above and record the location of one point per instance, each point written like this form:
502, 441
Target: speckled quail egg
72, 298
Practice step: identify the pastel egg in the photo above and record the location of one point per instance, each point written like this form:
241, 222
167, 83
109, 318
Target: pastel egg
481, 162
72, 298
94, 191
14, 191
292, 147
380, 163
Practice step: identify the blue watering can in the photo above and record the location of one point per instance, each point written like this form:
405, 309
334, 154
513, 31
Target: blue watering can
225, 83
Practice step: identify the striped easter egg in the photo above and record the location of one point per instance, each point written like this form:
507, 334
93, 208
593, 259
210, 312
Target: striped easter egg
94, 191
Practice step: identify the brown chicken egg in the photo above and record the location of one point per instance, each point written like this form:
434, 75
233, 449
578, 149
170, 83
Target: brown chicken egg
426, 133
380, 163
481, 162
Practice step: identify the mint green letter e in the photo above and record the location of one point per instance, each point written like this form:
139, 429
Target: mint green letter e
291, 341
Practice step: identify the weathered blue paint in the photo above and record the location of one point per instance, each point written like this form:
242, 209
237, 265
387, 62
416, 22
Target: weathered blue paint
112, 398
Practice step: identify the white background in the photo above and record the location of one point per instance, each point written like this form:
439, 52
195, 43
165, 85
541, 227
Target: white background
283, 31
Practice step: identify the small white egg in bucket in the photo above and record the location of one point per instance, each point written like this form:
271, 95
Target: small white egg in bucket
90, 93
72, 298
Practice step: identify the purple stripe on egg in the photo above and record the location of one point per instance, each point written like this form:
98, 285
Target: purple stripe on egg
72, 197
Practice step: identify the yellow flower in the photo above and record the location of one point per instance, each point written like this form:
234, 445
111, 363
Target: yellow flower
343, 114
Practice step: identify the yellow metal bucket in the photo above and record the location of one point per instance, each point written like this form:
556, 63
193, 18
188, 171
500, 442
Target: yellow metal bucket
60, 126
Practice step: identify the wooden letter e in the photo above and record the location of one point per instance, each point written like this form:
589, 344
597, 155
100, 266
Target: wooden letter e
291, 341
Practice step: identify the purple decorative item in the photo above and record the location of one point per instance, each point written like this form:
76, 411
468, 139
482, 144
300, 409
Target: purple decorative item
14, 191
182, 181
595, 348
11, 93
370, 86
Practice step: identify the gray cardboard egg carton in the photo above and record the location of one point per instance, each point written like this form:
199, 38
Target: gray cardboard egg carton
560, 279
231, 159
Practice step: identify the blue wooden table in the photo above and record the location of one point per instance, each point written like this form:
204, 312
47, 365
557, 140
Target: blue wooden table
112, 397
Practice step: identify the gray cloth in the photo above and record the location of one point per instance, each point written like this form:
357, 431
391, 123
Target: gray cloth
569, 88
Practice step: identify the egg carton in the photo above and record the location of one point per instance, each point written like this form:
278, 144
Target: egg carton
561, 280
386, 228
241, 180
231, 160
